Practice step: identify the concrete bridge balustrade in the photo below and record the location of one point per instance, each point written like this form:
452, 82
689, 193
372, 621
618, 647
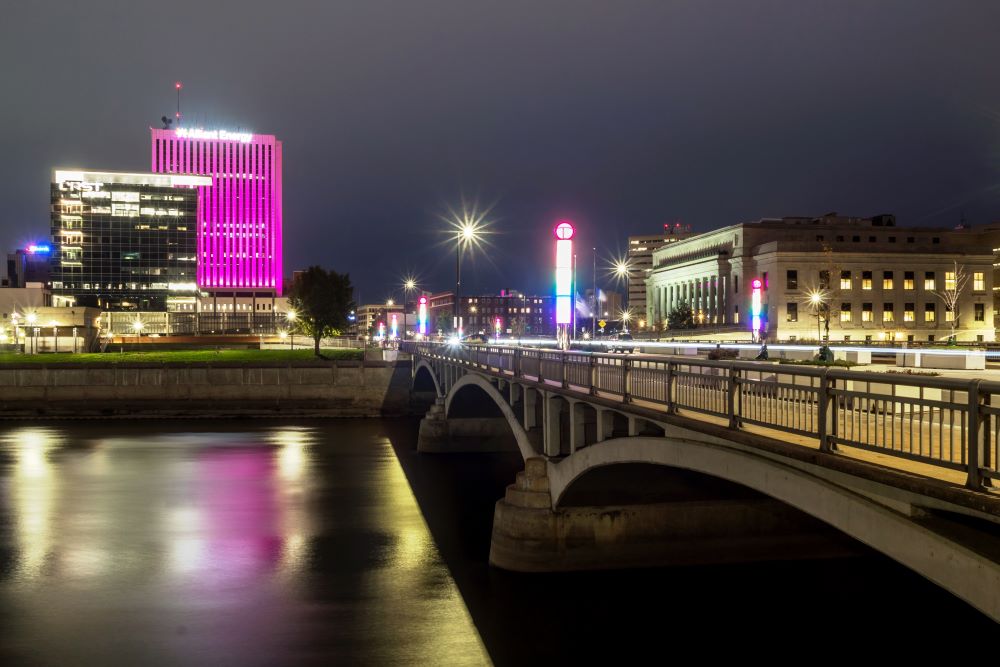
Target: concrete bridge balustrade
643, 460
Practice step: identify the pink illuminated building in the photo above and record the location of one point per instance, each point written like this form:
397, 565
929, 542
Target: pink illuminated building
239, 216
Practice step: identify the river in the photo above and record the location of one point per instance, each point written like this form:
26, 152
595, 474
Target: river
333, 542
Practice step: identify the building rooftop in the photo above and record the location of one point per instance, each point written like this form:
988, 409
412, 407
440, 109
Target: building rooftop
129, 178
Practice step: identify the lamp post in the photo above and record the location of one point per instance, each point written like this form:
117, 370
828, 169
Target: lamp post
290, 316
621, 269
55, 335
31, 319
593, 307
822, 309
467, 235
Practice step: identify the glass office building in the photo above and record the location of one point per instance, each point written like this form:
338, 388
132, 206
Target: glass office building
123, 241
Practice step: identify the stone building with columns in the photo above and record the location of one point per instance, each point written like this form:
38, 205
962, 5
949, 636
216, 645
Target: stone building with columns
861, 279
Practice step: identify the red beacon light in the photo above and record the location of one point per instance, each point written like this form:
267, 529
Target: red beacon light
757, 284
178, 85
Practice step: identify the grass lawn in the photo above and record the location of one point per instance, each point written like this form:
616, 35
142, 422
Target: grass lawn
183, 356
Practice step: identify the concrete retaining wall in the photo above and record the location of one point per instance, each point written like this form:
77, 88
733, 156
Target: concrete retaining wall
326, 389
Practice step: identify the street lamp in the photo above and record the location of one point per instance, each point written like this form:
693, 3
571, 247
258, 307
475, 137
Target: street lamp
137, 327
291, 315
620, 269
55, 335
31, 318
817, 299
626, 317
468, 229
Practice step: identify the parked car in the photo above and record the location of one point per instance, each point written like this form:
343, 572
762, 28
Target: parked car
622, 343
475, 339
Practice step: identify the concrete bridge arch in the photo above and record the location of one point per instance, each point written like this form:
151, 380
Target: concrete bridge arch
424, 372
476, 382
889, 525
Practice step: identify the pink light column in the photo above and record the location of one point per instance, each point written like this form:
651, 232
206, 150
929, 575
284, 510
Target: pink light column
239, 216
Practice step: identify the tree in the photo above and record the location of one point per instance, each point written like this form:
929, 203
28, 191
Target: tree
681, 317
955, 283
321, 300
444, 321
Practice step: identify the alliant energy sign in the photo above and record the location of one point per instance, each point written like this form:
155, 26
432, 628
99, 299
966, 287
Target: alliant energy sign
214, 135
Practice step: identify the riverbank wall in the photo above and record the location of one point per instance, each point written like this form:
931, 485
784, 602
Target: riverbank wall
315, 388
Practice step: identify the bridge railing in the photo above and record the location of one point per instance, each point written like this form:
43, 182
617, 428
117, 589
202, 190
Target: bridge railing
942, 422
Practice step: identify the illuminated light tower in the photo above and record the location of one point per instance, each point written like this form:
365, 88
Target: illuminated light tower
564, 232
422, 315
394, 327
497, 325
755, 305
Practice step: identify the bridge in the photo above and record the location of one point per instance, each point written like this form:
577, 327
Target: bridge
619, 450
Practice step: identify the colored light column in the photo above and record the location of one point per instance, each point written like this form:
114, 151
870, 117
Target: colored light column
497, 326
564, 272
239, 216
755, 304
394, 327
422, 315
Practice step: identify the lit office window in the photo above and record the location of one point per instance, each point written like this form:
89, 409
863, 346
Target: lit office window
888, 314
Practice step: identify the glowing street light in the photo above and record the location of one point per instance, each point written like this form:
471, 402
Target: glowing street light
137, 327
620, 269
291, 316
626, 317
817, 299
468, 228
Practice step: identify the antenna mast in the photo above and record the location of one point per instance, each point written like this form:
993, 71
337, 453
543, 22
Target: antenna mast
178, 85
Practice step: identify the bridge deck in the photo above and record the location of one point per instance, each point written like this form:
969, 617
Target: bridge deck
914, 424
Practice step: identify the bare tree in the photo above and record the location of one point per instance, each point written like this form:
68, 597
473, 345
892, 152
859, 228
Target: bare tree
952, 293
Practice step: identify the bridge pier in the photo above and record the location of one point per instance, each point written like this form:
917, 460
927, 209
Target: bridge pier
530, 536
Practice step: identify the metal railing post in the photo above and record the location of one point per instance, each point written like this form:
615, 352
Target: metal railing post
824, 413
732, 389
565, 380
975, 437
626, 380
669, 393
517, 363
592, 360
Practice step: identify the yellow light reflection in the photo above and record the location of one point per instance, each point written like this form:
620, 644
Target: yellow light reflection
34, 492
412, 561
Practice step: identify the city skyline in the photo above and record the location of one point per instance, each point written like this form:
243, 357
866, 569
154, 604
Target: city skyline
668, 122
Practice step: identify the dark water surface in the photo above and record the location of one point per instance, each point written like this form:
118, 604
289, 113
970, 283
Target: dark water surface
333, 542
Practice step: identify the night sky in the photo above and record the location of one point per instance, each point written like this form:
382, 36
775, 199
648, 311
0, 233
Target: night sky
618, 115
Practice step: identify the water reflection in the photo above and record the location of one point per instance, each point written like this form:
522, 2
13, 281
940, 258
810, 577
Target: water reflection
33, 492
248, 544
